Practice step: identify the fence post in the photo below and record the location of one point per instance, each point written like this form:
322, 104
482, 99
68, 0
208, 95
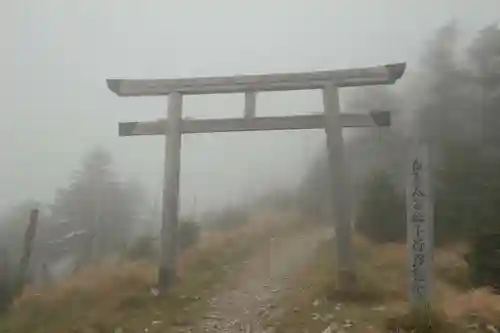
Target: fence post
29, 237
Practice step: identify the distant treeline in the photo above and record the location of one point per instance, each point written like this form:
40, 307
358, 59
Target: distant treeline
451, 102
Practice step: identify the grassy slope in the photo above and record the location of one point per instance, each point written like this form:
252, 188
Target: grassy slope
115, 295
379, 303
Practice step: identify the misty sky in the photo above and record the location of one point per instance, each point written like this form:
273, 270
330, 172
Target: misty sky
56, 55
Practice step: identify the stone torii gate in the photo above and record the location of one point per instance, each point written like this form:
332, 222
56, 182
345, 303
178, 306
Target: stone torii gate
331, 120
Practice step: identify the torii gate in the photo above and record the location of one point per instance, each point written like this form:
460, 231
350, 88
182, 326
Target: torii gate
331, 120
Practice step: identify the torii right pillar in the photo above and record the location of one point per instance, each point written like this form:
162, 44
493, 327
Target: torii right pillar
338, 184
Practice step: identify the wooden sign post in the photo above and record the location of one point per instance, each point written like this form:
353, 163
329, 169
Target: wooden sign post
420, 228
331, 120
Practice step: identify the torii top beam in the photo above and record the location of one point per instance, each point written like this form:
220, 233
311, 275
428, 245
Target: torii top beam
379, 75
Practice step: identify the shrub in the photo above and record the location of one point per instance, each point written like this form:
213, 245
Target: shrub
6, 294
189, 234
484, 261
147, 247
144, 247
381, 213
227, 219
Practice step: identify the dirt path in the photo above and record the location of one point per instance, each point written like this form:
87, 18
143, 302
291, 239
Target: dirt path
252, 296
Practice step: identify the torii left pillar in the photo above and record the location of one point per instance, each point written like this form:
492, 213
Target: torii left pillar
170, 216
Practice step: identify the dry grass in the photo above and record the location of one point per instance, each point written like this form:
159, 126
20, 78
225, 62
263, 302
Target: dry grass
97, 299
422, 321
114, 294
452, 268
479, 303
379, 302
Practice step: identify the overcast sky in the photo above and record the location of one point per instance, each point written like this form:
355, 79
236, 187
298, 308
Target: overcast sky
56, 55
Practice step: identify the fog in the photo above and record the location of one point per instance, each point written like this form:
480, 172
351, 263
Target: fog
56, 56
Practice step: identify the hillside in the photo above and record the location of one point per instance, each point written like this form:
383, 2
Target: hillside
273, 274
119, 296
